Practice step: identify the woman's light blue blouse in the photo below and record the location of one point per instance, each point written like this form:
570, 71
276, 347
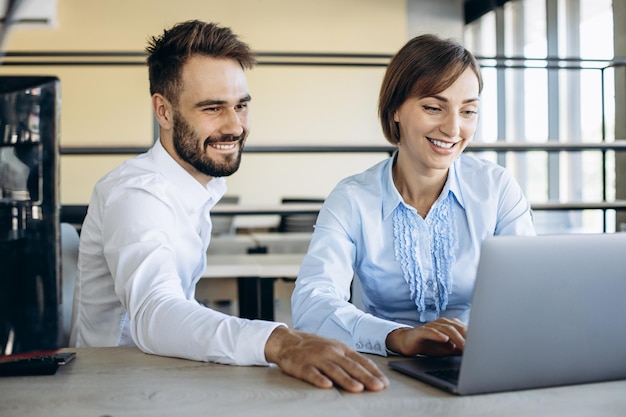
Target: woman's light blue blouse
371, 250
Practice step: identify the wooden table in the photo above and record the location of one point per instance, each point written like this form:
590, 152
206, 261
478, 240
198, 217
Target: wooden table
255, 274
123, 382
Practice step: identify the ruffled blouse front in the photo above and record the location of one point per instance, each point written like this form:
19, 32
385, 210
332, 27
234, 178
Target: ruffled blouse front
425, 250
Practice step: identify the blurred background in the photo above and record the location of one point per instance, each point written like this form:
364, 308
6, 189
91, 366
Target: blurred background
554, 76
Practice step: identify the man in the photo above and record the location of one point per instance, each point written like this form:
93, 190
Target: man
144, 240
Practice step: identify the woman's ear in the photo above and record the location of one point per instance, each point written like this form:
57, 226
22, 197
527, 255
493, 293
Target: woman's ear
162, 111
395, 116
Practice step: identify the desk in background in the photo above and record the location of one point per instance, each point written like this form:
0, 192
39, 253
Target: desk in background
258, 210
259, 242
123, 382
263, 216
274, 242
256, 260
255, 274
231, 244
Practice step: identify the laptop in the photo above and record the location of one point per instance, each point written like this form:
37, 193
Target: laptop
546, 311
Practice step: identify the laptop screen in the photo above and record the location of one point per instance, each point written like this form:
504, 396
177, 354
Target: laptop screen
546, 311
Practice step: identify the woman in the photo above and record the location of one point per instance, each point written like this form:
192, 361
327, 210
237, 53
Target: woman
407, 232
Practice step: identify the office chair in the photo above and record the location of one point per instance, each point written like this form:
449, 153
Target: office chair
73, 214
298, 222
69, 269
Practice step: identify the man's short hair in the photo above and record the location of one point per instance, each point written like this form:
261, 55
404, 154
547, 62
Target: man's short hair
168, 53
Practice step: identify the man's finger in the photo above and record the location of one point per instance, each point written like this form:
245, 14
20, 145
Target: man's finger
342, 375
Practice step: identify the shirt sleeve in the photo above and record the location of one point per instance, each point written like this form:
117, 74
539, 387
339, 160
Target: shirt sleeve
514, 211
139, 233
321, 298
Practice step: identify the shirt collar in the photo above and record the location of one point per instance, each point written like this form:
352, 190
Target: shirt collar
393, 198
453, 181
187, 186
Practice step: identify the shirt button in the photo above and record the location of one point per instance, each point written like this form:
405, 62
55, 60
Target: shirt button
359, 345
377, 347
368, 346
429, 283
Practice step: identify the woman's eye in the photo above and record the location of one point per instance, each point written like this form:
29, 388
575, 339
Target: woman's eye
431, 109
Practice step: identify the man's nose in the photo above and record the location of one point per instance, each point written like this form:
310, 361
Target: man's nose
232, 123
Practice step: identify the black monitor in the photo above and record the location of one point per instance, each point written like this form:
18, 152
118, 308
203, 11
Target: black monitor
30, 295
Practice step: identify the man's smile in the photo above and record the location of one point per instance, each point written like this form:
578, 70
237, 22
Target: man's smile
224, 145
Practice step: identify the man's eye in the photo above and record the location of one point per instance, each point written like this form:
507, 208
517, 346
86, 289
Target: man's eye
242, 106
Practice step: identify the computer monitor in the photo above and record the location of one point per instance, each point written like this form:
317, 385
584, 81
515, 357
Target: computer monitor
30, 296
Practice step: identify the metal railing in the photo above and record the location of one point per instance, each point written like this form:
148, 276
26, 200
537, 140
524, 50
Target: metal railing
499, 147
137, 58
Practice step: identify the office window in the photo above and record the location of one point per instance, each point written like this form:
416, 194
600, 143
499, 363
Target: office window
547, 79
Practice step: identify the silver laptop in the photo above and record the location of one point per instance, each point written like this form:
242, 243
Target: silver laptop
546, 311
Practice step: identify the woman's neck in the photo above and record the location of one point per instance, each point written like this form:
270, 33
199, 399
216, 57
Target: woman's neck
417, 189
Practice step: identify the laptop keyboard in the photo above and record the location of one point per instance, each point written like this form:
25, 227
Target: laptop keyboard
450, 375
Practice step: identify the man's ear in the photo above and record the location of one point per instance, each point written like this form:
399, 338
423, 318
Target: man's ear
163, 111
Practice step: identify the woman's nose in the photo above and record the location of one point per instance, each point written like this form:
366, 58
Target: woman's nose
451, 126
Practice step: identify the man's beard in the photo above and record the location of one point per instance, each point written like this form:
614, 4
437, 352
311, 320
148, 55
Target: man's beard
187, 142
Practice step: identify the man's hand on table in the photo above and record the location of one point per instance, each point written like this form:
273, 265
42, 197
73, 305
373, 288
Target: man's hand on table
322, 362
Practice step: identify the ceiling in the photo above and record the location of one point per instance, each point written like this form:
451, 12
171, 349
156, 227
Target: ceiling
474, 9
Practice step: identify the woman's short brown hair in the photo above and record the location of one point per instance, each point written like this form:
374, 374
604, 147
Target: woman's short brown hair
425, 66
